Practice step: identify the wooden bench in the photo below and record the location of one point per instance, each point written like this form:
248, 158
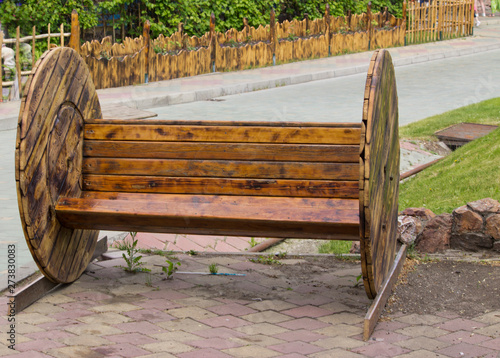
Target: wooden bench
77, 173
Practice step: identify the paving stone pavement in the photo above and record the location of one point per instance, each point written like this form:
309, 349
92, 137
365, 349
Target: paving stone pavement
314, 312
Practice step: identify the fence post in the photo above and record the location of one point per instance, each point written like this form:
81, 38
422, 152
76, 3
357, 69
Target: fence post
272, 34
404, 21
369, 17
1, 69
212, 41
48, 37
327, 27
61, 28
18, 61
306, 17
33, 61
146, 38
440, 20
74, 40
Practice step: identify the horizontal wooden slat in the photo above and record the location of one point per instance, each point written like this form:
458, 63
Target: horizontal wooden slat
223, 186
228, 134
222, 169
222, 151
208, 214
210, 123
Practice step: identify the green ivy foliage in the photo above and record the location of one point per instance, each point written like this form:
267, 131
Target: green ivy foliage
165, 15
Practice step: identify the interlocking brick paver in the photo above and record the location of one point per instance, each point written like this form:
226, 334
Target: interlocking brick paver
300, 335
27, 328
167, 346
60, 324
465, 350
184, 324
72, 314
262, 328
296, 347
205, 353
151, 315
93, 328
344, 330
225, 321
492, 331
426, 331
336, 353
422, 343
146, 328
422, 353
53, 335
258, 339
44, 308
105, 318
314, 300
176, 336
307, 311
339, 342
342, 317
90, 296
233, 309
386, 336
159, 304
33, 318
215, 343
164, 295
266, 316
38, 345
29, 354
85, 340
463, 337
493, 344
274, 305
460, 324
135, 339
336, 307
489, 318
251, 351
303, 323
380, 349
221, 332
118, 307
195, 313
424, 319
122, 350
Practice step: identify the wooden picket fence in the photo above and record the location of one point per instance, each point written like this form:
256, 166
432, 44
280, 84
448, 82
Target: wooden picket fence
439, 20
19, 67
142, 60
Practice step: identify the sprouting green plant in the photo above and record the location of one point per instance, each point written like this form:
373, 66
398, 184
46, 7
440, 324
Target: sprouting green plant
281, 255
192, 252
292, 37
171, 268
253, 242
248, 39
232, 43
267, 260
358, 280
374, 23
213, 268
132, 259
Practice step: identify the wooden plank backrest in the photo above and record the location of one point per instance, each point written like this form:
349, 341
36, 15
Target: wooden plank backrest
227, 158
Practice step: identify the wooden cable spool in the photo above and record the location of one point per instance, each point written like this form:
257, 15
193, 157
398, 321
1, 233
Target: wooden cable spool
49, 159
61, 105
379, 173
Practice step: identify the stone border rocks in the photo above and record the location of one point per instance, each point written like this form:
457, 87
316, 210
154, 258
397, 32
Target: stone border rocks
472, 227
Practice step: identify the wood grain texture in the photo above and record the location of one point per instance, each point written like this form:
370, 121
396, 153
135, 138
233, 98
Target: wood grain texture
49, 161
227, 133
207, 214
381, 172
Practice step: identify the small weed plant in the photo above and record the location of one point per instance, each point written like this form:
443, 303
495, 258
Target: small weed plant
267, 260
132, 258
171, 268
213, 268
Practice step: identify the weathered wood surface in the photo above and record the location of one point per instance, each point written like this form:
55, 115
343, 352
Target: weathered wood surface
379, 179
377, 306
205, 214
60, 94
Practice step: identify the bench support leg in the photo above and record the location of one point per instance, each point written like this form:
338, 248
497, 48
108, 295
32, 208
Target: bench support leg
35, 290
379, 302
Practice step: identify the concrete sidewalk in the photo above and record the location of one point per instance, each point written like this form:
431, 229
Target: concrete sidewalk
212, 85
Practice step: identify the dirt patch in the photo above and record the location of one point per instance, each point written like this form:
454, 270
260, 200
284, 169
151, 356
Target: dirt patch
465, 288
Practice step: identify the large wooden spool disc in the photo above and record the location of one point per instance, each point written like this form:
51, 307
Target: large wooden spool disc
59, 95
379, 182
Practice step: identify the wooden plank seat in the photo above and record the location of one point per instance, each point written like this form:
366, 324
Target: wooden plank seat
77, 173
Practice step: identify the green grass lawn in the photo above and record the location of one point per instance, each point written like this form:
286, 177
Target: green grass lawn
470, 173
